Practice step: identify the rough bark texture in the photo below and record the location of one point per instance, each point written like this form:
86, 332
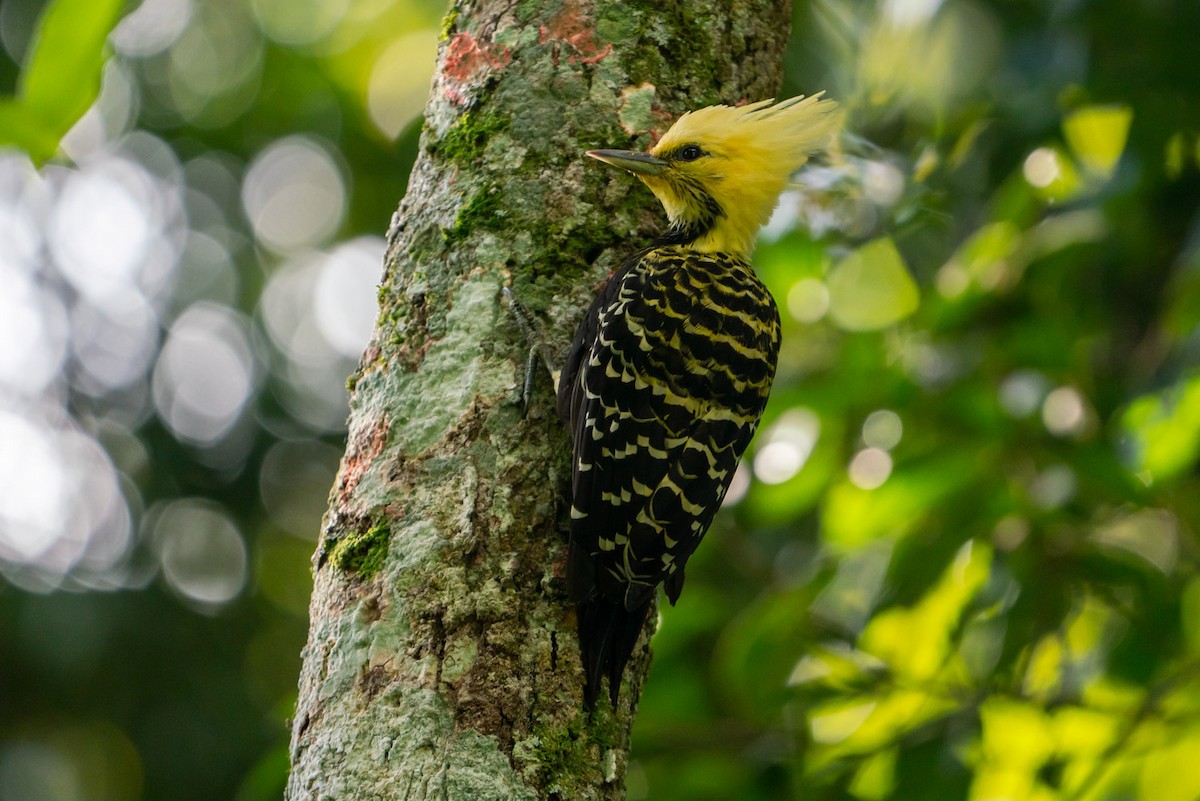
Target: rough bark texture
442, 660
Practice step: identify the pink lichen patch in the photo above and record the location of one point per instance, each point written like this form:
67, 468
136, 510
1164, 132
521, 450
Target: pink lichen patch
364, 446
467, 61
573, 26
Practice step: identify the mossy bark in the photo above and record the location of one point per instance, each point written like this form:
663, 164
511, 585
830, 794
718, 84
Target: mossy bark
442, 660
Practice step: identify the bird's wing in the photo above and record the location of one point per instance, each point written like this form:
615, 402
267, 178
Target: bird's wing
655, 443
625, 432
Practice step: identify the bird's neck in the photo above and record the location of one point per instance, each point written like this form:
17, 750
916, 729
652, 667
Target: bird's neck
725, 222
717, 235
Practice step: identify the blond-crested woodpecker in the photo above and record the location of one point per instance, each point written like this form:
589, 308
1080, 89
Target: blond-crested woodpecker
670, 369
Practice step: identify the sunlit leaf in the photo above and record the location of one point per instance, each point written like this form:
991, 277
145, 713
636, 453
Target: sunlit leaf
61, 77
1083, 732
915, 641
1163, 431
833, 722
1016, 741
871, 288
834, 665
1097, 136
1114, 695
1086, 630
1044, 672
21, 129
1168, 772
866, 723
876, 779
1151, 534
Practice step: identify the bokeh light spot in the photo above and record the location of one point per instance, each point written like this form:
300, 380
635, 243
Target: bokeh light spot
808, 300
739, 485
789, 443
152, 27
292, 307
870, 468
1009, 532
23, 198
32, 489
1021, 392
297, 22
952, 280
399, 82
776, 462
205, 374
33, 334
1053, 487
1064, 412
201, 550
345, 300
294, 195
1042, 167
909, 13
883, 183
882, 429
100, 233
61, 506
114, 344
30, 769
213, 69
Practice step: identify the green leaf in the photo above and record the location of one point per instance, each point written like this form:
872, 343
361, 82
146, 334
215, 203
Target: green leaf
1097, 136
1163, 431
871, 288
24, 130
62, 75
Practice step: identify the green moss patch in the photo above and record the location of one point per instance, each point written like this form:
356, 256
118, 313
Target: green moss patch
363, 552
465, 142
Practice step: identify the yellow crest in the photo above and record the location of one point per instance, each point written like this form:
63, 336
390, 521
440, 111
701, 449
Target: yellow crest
775, 137
719, 170
753, 151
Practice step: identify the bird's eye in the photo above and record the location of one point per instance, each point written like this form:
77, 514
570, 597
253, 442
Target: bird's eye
690, 153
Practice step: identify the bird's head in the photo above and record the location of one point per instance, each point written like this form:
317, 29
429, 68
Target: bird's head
719, 170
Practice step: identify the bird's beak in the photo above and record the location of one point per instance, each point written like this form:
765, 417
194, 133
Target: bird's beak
636, 163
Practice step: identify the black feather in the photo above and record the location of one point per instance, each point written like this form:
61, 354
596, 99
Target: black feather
608, 633
661, 391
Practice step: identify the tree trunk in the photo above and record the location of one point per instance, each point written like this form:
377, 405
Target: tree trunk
442, 659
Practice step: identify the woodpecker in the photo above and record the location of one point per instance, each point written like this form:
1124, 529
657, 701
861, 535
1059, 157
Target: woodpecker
670, 369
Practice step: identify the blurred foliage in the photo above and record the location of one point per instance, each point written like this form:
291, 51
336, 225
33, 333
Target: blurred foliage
61, 76
968, 567
960, 560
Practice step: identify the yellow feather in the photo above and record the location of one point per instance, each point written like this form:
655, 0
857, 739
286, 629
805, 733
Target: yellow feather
751, 151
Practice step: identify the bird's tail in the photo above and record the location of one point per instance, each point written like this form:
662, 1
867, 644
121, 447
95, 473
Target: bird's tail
607, 634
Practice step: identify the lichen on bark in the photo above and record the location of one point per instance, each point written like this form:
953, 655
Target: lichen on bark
442, 659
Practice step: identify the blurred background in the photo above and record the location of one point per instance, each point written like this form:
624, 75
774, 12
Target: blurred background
960, 561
